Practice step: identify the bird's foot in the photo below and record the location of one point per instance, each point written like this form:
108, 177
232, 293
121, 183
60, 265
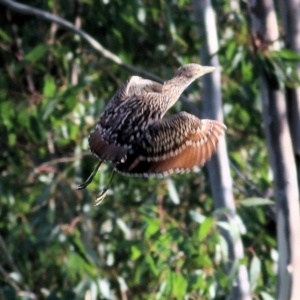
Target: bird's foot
103, 193
83, 185
90, 179
101, 196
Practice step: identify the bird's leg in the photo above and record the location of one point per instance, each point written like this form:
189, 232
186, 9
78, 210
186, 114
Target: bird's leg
89, 180
103, 193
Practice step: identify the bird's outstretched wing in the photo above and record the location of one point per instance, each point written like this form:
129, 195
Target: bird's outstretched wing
173, 145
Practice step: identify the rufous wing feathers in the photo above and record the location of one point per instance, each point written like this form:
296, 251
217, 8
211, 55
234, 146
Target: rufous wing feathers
175, 144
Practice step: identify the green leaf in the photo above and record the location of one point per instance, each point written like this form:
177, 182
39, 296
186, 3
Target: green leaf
205, 228
5, 37
135, 252
12, 139
234, 270
49, 87
286, 54
256, 202
7, 113
153, 225
35, 129
37, 53
224, 247
49, 109
255, 269
197, 217
224, 224
176, 284
151, 264
266, 296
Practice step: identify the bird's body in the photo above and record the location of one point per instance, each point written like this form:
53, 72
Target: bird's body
134, 136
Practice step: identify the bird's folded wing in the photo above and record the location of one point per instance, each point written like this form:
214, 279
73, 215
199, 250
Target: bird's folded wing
173, 145
138, 85
134, 85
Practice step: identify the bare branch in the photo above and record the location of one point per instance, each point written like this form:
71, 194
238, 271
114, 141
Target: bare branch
63, 160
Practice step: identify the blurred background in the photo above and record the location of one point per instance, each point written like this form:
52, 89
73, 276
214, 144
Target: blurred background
149, 238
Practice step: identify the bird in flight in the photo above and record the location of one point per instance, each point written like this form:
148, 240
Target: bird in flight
133, 135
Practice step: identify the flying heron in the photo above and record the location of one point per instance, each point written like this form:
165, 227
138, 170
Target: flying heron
134, 137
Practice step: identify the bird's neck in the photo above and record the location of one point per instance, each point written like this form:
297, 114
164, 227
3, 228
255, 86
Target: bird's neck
172, 89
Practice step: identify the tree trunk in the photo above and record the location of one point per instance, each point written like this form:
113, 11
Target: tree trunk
265, 36
290, 14
218, 167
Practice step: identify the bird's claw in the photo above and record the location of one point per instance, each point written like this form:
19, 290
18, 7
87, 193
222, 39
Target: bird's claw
101, 196
90, 179
82, 186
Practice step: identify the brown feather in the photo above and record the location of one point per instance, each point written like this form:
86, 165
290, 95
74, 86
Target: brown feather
172, 145
105, 151
133, 136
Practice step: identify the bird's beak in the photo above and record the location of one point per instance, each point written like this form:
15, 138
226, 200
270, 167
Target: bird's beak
205, 70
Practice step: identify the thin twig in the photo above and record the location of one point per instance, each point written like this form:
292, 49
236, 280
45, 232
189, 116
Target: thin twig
8, 279
161, 212
63, 160
12, 264
9, 257
28, 10
268, 194
246, 180
19, 53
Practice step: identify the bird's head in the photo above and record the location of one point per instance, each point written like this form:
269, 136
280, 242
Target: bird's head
192, 71
184, 76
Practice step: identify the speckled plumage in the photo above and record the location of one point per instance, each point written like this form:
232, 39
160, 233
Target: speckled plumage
134, 136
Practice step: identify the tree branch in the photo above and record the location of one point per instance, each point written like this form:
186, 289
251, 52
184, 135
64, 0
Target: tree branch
28, 10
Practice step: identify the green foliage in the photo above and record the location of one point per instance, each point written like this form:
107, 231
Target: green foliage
149, 239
